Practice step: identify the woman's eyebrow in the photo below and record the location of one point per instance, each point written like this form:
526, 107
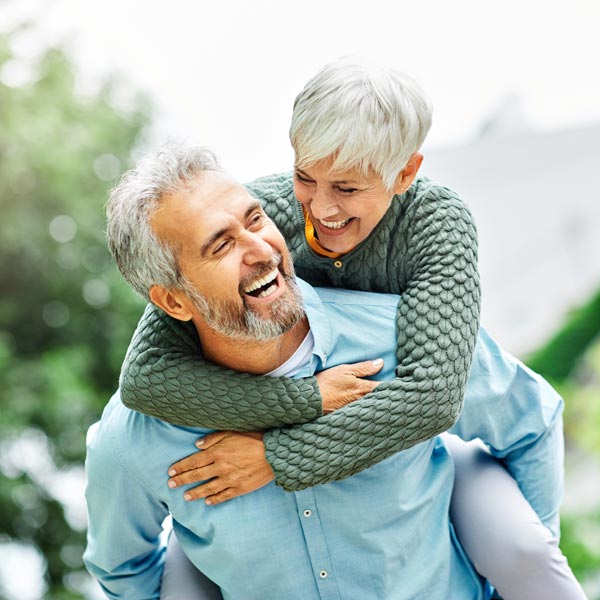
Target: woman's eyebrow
337, 181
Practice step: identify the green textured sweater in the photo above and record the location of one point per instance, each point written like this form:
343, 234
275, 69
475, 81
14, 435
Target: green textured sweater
424, 248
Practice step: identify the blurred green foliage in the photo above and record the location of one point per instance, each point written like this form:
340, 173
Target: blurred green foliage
581, 532
65, 314
557, 359
571, 361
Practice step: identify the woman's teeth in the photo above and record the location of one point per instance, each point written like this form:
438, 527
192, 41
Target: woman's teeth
334, 224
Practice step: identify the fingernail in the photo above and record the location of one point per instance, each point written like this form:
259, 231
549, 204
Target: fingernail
172, 473
171, 484
377, 362
209, 502
199, 443
187, 497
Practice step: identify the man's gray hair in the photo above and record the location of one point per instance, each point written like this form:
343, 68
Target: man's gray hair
142, 258
364, 116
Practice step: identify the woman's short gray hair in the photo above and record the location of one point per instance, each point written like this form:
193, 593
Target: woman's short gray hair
142, 258
364, 116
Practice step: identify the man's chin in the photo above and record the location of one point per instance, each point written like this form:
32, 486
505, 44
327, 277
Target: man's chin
276, 315
281, 316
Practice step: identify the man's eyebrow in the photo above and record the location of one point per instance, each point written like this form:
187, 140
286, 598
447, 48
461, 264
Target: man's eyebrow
212, 239
252, 208
218, 234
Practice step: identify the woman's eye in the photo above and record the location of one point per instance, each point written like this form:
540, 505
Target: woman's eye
347, 190
302, 179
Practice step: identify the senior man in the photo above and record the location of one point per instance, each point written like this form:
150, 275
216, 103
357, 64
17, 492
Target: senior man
383, 533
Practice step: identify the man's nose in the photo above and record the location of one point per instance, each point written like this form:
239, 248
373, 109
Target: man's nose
323, 205
257, 249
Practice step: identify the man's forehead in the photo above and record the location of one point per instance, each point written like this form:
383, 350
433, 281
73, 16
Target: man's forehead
205, 207
221, 198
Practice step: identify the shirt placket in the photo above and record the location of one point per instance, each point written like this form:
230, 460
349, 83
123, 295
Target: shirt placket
316, 544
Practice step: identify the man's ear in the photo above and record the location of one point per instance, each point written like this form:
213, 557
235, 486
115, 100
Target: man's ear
408, 174
173, 302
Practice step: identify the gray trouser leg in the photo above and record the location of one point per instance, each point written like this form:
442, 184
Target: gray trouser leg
181, 580
501, 533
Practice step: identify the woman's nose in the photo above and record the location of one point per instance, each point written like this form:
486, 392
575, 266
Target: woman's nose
323, 205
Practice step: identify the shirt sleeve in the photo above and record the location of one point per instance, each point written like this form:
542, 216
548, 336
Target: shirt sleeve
518, 415
124, 552
437, 324
165, 376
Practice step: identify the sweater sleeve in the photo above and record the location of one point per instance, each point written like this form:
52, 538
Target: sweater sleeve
438, 320
165, 376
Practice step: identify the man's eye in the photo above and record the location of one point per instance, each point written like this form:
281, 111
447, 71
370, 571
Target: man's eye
256, 219
342, 190
221, 246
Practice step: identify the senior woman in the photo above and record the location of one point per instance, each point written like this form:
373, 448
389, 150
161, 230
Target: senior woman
354, 215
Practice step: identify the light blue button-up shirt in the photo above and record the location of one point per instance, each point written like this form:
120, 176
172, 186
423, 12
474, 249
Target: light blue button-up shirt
384, 533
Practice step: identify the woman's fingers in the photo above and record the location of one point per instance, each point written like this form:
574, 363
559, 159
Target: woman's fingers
345, 383
193, 476
233, 464
209, 440
190, 463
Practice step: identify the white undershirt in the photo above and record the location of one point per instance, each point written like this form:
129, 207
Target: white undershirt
298, 360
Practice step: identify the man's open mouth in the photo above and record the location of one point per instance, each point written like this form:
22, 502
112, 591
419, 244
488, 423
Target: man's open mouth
264, 286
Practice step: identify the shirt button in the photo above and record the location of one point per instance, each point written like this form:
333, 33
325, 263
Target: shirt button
323, 574
338, 264
307, 513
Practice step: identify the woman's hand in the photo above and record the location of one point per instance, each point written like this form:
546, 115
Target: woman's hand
343, 384
232, 464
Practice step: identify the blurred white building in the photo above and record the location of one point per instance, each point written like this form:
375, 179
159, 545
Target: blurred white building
536, 201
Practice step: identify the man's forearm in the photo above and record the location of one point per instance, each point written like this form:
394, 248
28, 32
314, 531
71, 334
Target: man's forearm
538, 469
124, 552
517, 414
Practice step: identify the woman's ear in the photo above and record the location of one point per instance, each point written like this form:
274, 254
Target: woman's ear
408, 174
174, 302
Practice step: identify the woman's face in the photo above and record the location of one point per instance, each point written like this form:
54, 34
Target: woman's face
343, 206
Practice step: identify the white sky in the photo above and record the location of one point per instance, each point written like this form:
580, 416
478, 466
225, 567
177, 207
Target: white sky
225, 73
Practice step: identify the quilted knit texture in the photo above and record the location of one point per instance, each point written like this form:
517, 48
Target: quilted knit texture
424, 248
164, 375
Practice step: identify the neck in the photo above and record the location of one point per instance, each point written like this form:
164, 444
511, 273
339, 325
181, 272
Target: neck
250, 356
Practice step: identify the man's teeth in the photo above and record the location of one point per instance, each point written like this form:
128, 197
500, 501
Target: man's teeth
266, 279
334, 224
268, 291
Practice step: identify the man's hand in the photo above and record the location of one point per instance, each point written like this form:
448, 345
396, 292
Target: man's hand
343, 384
232, 464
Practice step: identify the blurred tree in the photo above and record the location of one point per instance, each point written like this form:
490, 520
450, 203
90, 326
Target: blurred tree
571, 361
557, 359
65, 315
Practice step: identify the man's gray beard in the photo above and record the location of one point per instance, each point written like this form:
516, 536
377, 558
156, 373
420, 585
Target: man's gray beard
227, 318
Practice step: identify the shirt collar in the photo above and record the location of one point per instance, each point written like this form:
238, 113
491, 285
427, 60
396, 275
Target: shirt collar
318, 321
